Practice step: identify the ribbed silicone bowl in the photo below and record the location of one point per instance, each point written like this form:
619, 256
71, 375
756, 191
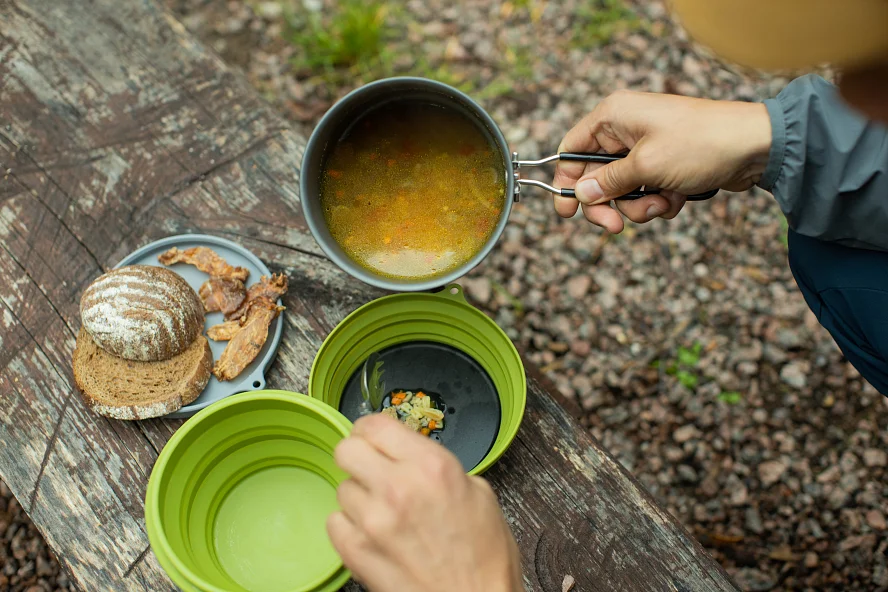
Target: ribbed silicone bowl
443, 317
239, 496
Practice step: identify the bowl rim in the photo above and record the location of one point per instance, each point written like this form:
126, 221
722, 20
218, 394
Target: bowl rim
458, 298
152, 495
353, 268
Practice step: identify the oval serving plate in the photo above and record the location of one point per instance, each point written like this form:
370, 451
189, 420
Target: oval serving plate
253, 376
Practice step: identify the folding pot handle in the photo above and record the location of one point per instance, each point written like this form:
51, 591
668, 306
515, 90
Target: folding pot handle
591, 157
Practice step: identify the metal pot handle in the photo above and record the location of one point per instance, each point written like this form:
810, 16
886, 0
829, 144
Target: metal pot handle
585, 157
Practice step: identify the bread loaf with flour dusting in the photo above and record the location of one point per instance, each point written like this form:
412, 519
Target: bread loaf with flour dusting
142, 313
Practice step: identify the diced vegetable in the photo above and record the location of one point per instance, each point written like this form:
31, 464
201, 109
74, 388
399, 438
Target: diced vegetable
432, 424
425, 431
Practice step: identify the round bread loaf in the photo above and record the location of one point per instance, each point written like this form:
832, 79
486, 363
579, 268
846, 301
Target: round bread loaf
142, 313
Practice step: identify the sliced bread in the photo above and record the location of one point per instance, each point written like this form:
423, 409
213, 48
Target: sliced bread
129, 389
142, 312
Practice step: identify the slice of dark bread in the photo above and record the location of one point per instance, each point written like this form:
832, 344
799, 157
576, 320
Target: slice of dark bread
129, 389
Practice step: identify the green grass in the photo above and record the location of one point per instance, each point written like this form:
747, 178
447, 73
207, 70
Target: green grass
684, 367
350, 39
596, 22
353, 41
730, 397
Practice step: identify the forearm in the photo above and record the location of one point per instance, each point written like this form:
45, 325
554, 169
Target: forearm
828, 166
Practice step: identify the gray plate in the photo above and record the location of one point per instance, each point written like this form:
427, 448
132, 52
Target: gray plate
253, 376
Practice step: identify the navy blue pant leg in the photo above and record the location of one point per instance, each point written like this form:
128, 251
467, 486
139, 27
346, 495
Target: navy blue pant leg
847, 289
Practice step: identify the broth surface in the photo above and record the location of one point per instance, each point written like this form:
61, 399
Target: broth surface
413, 190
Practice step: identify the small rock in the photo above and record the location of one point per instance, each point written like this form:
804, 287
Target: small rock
811, 560
770, 472
580, 347
753, 520
578, 286
874, 457
479, 288
866, 541
44, 567
685, 433
739, 495
454, 52
875, 519
567, 583
687, 474
795, 374
540, 130
270, 10
753, 580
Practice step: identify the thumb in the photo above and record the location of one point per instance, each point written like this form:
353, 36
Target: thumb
609, 181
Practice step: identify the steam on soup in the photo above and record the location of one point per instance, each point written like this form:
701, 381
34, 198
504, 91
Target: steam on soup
413, 191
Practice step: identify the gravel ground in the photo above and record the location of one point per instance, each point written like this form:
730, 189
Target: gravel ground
686, 342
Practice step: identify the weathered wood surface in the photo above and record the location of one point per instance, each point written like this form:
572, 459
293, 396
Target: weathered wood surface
117, 128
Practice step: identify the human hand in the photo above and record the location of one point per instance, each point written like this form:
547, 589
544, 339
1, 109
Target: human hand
679, 144
413, 521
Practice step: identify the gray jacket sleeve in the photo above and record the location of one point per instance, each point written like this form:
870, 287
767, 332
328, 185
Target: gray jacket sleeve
828, 166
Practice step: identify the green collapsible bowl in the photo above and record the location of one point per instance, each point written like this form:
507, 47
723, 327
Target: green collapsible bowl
442, 318
239, 496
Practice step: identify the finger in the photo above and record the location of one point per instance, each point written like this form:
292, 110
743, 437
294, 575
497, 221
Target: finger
610, 181
391, 438
605, 216
643, 209
566, 207
676, 203
359, 554
568, 177
363, 461
579, 139
354, 499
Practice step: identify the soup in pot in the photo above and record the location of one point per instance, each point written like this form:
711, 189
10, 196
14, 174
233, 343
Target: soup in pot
413, 190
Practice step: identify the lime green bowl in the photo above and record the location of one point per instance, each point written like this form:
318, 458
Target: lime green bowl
443, 317
239, 496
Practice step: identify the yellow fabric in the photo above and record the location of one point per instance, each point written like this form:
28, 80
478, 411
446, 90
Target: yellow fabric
789, 34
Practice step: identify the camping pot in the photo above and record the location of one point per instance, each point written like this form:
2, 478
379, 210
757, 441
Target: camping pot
339, 119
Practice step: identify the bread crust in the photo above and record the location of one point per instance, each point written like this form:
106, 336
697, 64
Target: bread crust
92, 365
142, 312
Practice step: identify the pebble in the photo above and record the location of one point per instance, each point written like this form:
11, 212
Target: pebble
685, 433
795, 374
753, 520
578, 286
875, 519
874, 457
771, 471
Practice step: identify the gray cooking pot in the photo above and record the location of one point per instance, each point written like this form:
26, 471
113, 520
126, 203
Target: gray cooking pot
337, 121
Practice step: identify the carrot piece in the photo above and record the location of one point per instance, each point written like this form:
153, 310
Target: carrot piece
391, 162
420, 394
425, 431
433, 424
334, 173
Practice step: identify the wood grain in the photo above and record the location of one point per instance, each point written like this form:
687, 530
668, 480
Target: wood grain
116, 129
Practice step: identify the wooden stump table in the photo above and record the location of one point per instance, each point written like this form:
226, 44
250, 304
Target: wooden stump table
117, 128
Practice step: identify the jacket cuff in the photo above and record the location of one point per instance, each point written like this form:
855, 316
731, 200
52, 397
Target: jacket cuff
777, 153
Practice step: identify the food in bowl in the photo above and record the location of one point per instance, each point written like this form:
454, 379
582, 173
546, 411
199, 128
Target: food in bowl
418, 411
413, 190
